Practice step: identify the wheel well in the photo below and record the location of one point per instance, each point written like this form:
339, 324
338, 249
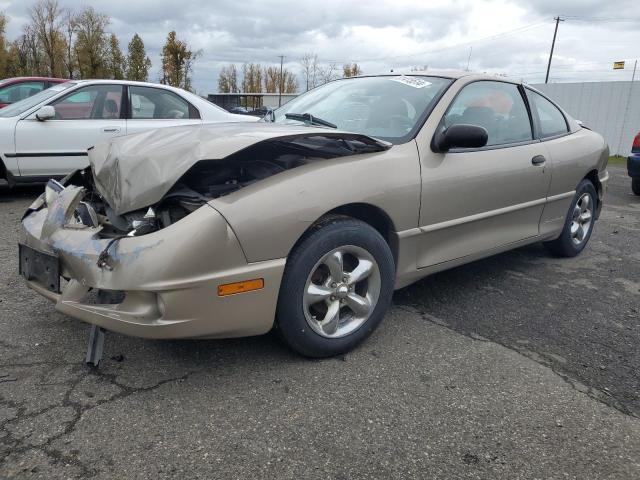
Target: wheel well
3, 171
592, 176
374, 216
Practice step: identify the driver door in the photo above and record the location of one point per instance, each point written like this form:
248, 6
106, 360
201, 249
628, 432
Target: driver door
477, 200
85, 117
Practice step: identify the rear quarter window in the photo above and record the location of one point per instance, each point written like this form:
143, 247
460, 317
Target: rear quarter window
551, 119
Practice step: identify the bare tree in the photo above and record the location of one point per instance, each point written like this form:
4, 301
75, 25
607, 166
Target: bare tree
327, 73
46, 18
309, 67
32, 52
69, 26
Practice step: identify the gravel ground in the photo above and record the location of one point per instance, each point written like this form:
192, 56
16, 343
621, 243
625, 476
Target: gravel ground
518, 366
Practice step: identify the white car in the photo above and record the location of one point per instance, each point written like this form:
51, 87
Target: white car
48, 134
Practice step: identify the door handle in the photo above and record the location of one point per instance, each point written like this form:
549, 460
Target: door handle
538, 160
111, 129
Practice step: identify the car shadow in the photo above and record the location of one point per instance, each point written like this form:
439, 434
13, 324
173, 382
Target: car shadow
19, 192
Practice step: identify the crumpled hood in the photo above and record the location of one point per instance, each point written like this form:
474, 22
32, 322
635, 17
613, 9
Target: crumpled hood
136, 171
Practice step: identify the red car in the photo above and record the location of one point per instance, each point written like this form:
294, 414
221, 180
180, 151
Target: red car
15, 89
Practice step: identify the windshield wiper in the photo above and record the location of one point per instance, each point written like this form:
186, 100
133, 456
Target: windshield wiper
310, 119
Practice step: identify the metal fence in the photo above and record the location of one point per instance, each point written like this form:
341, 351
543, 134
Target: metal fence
610, 108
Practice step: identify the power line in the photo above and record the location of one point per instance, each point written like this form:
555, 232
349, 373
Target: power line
448, 47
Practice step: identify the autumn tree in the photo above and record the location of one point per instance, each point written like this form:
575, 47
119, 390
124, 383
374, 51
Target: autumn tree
3, 46
351, 70
252, 77
138, 64
228, 79
177, 62
290, 83
271, 79
92, 43
115, 59
46, 21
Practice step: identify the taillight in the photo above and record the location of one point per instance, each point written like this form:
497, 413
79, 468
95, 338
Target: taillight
636, 142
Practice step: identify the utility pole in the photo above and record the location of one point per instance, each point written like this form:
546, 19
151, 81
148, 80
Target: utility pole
626, 110
469, 58
280, 82
553, 44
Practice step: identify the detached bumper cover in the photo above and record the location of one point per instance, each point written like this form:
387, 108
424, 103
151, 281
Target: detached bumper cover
169, 277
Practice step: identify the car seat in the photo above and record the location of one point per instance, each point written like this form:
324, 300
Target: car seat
111, 108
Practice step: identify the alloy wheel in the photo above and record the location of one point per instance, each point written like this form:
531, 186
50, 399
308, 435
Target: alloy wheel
581, 218
341, 291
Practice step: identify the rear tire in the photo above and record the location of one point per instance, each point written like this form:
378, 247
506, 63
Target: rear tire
635, 185
337, 287
578, 224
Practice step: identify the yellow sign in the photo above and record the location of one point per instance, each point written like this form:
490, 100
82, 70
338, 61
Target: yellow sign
618, 65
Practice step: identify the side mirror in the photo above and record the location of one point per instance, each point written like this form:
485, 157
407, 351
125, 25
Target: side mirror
460, 136
46, 113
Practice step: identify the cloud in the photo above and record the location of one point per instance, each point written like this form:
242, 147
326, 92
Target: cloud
381, 35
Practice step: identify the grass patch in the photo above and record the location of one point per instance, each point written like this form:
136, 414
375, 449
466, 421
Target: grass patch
617, 160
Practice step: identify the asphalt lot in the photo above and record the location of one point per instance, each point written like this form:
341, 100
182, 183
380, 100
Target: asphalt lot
517, 366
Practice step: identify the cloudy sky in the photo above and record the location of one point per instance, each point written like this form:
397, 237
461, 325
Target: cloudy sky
503, 36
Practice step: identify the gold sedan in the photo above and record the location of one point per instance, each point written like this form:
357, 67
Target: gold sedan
308, 220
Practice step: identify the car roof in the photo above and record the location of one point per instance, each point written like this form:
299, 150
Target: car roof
7, 81
128, 82
452, 74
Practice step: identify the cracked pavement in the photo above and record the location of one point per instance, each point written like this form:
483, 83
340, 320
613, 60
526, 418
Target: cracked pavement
517, 366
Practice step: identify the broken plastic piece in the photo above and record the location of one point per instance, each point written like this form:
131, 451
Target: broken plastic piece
95, 346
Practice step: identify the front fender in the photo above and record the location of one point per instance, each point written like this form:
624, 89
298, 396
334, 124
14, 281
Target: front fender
270, 216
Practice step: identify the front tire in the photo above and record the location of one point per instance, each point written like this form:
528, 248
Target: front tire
635, 185
579, 223
336, 289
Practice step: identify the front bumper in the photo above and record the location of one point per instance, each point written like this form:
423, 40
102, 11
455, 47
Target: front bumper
633, 165
169, 278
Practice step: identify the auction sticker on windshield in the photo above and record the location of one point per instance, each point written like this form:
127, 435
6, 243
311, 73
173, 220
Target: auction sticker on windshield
414, 82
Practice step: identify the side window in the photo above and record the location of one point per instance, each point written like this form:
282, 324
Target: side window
15, 93
95, 102
552, 121
496, 106
157, 103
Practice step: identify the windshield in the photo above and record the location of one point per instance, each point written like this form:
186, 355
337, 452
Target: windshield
22, 106
391, 108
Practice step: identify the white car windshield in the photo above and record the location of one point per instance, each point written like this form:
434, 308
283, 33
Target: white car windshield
391, 108
22, 106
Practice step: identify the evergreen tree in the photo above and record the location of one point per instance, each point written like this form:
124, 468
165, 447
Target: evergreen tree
138, 64
115, 60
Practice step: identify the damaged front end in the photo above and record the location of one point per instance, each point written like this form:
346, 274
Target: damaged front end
132, 245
